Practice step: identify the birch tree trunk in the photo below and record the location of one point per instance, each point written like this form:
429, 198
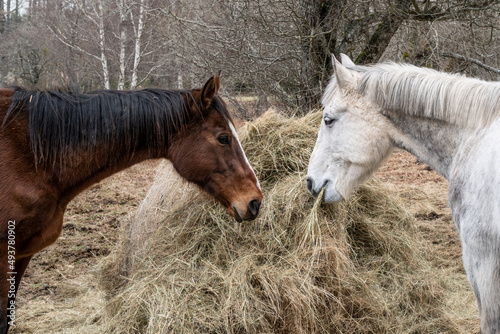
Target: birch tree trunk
123, 38
102, 45
95, 13
137, 44
2, 17
7, 17
180, 84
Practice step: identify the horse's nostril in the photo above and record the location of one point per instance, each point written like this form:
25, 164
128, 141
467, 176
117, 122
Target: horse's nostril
309, 184
253, 207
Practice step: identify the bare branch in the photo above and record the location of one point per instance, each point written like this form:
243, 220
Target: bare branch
471, 60
60, 36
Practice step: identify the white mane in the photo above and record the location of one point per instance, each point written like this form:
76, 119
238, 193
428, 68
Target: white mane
329, 94
428, 93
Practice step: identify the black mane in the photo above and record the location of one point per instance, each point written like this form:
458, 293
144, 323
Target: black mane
61, 123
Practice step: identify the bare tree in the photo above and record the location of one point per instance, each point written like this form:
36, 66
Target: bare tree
99, 11
277, 50
123, 25
122, 9
138, 30
2, 17
283, 48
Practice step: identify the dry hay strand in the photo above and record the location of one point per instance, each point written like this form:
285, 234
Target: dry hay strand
78, 309
301, 267
169, 191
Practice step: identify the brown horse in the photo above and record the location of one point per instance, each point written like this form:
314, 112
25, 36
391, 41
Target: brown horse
53, 145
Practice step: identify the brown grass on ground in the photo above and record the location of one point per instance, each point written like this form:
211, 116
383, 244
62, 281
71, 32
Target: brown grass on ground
431, 295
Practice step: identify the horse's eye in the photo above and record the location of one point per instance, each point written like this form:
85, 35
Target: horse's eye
224, 139
329, 121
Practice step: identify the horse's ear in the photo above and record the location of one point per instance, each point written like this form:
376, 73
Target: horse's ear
344, 77
346, 61
209, 90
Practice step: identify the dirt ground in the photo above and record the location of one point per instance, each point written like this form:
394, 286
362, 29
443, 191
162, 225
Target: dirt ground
59, 289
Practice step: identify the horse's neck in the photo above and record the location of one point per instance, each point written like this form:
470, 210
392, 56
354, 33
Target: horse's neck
88, 169
432, 141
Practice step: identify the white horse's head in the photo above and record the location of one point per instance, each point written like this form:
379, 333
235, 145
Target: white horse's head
353, 139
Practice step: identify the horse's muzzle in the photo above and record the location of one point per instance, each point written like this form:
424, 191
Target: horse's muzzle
250, 213
313, 188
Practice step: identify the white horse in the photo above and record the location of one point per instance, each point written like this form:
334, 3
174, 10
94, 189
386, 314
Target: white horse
448, 121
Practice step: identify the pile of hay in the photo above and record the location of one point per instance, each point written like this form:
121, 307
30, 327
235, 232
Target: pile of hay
301, 267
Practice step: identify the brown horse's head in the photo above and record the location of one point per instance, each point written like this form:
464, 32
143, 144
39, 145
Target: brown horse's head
208, 153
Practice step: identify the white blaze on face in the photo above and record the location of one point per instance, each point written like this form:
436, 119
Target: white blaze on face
235, 135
